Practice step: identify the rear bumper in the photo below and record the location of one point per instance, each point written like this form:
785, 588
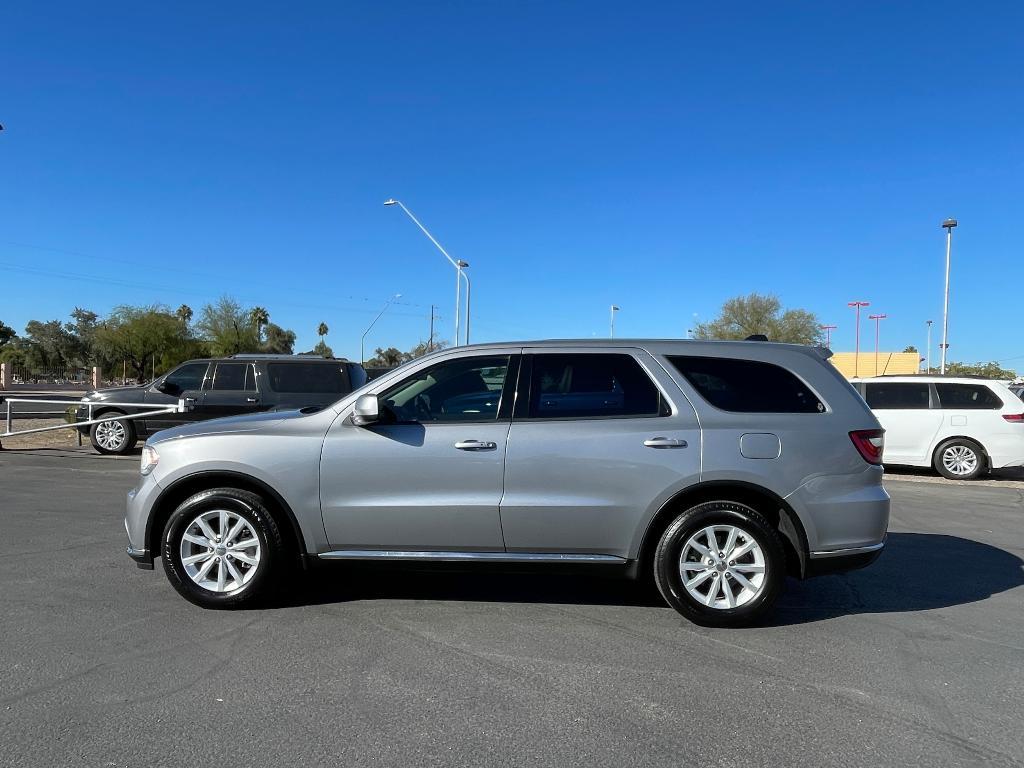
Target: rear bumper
841, 560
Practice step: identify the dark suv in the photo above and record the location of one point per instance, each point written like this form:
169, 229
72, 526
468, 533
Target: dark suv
227, 386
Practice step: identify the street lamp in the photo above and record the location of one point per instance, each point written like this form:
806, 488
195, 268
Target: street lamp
928, 349
856, 356
828, 334
878, 321
947, 225
611, 330
462, 267
453, 262
362, 357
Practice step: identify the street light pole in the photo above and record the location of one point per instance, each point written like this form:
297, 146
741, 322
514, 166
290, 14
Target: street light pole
947, 225
362, 356
453, 262
462, 271
611, 330
856, 355
878, 321
828, 334
928, 349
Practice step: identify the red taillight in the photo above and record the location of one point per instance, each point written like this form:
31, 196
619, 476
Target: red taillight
1016, 418
869, 442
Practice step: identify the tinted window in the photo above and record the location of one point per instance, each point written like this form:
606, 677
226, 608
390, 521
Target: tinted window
236, 376
747, 386
189, 376
967, 397
894, 396
314, 378
468, 389
579, 386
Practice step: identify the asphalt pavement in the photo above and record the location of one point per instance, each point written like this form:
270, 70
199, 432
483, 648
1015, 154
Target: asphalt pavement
916, 660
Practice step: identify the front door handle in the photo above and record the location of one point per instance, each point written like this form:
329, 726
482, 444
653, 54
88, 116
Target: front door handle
664, 442
252, 399
475, 445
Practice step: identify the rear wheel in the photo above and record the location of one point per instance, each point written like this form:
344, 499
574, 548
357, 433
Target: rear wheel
960, 459
720, 564
113, 437
221, 548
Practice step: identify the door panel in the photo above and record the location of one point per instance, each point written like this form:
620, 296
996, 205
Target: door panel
431, 480
231, 391
585, 484
185, 379
909, 434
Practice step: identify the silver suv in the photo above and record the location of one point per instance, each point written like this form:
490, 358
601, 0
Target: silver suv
715, 467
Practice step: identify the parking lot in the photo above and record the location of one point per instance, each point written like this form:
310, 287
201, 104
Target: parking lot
915, 660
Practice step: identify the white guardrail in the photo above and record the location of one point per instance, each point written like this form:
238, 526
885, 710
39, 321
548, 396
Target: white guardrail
180, 407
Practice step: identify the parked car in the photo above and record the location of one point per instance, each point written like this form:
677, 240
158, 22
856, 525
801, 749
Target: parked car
962, 426
716, 467
227, 386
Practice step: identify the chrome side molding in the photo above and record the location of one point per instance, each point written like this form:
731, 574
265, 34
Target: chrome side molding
496, 557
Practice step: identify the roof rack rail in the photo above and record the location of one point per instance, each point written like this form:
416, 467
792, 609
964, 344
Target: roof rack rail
272, 356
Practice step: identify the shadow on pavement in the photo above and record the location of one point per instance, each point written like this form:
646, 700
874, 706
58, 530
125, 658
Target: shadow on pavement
917, 572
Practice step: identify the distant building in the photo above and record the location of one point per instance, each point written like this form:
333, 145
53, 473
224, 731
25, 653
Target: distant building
889, 363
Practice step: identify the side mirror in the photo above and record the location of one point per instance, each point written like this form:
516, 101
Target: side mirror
366, 411
165, 387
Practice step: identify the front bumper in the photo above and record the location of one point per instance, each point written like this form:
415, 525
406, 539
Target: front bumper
139, 505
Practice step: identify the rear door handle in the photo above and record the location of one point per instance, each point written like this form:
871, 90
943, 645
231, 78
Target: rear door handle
664, 442
475, 445
252, 399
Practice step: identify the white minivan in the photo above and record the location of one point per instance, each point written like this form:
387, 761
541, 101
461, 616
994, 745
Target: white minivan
960, 425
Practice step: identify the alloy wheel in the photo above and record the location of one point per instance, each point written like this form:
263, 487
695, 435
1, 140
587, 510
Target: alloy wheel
111, 435
722, 567
959, 460
220, 551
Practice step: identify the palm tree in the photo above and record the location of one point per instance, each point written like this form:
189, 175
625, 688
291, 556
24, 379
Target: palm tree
260, 317
184, 313
321, 330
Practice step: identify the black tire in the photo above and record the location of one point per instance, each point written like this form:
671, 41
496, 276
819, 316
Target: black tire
100, 435
241, 504
667, 564
968, 451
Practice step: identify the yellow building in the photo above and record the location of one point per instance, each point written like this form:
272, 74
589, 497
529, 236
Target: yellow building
889, 363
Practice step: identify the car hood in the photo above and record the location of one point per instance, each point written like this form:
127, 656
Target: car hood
117, 394
255, 422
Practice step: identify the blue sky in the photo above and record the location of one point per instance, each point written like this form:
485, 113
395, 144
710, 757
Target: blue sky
663, 157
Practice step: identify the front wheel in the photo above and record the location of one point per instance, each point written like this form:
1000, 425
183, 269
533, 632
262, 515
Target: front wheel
720, 564
113, 437
221, 548
960, 459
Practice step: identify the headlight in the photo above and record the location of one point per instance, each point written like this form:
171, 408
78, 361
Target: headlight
150, 458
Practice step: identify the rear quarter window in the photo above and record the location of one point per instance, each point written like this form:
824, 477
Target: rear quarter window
747, 386
897, 396
974, 397
311, 378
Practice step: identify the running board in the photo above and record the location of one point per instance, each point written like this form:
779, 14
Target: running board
455, 557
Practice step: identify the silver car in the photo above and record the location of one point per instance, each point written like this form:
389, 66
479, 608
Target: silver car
716, 467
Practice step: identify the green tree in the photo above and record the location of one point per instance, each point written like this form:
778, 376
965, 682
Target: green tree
991, 370
911, 348
278, 340
744, 316
184, 314
228, 328
423, 348
7, 334
322, 330
386, 358
51, 344
322, 349
140, 336
260, 317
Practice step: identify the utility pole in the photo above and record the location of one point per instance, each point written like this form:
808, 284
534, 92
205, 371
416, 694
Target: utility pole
947, 225
828, 334
928, 349
878, 321
856, 355
430, 341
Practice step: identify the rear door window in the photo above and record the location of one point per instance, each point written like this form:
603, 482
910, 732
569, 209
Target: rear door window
233, 376
747, 386
573, 386
309, 378
897, 396
974, 397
